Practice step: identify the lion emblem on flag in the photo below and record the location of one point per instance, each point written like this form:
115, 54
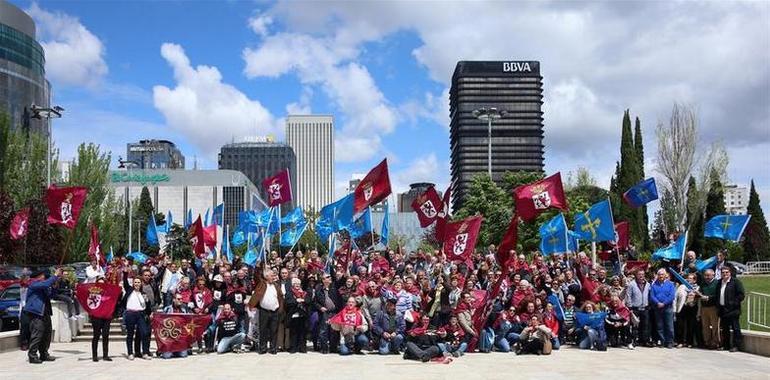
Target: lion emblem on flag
94, 301
428, 209
274, 191
368, 191
461, 242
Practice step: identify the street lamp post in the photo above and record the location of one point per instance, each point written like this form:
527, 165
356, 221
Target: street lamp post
48, 114
488, 114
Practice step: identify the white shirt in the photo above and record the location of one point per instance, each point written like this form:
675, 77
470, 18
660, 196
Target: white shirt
135, 302
270, 299
92, 274
722, 292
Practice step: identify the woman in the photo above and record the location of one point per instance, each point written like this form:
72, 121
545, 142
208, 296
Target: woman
618, 324
297, 313
590, 324
552, 323
351, 324
136, 306
686, 312
101, 329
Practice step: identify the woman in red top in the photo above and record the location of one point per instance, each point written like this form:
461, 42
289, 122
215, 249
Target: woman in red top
550, 321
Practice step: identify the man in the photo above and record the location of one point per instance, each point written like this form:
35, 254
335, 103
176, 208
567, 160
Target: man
637, 299
177, 306
709, 313
284, 340
93, 272
171, 277
38, 310
228, 336
389, 327
721, 263
689, 262
731, 294
268, 298
326, 301
662, 293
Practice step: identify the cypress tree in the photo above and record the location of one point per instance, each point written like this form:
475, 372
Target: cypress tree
756, 240
639, 147
628, 174
715, 205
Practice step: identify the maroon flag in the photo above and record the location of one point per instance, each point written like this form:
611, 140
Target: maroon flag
536, 197
427, 206
634, 266
622, 239
210, 236
95, 248
509, 241
20, 224
196, 236
443, 214
177, 332
98, 300
64, 204
373, 188
278, 188
460, 238
482, 311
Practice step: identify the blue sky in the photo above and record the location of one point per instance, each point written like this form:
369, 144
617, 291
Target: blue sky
203, 73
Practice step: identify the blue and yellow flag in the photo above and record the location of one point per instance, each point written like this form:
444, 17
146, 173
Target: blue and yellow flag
296, 216
727, 227
362, 225
554, 236
674, 251
385, 230
642, 193
596, 224
702, 265
291, 236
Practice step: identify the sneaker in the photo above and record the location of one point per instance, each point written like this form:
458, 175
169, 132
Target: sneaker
734, 349
670, 345
146, 357
630, 346
130, 357
74, 318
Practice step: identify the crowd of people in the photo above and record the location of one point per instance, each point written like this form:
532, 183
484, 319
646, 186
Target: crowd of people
416, 305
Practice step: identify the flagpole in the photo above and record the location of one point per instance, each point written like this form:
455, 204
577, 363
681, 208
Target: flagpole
371, 225
279, 230
130, 222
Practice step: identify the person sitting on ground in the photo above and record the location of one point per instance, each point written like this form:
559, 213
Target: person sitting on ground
618, 324
422, 342
389, 327
351, 324
177, 306
534, 338
590, 327
228, 336
552, 323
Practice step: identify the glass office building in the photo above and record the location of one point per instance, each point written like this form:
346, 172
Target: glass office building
154, 154
22, 68
515, 87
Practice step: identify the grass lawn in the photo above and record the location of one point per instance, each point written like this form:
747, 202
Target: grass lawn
759, 284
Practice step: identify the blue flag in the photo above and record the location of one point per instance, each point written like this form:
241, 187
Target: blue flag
138, 257
558, 311
679, 278
726, 227
295, 216
290, 237
674, 251
594, 320
218, 217
596, 224
385, 230
574, 241
362, 225
337, 215
702, 265
226, 250
250, 258
206, 218
152, 231
554, 236
189, 220
270, 220
642, 193
169, 221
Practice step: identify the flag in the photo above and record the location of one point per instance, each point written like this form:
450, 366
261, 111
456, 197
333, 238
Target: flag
278, 188
250, 258
443, 214
296, 216
373, 188
335, 217
674, 251
64, 204
291, 236
177, 332
593, 320
138, 257
109, 257
427, 206
95, 248
226, 249
151, 235
239, 237
169, 221
98, 300
574, 243
554, 236
633, 266
702, 265
218, 216
642, 193
195, 235
509, 241
679, 278
596, 224
622, 238
20, 224
460, 238
210, 236
385, 230
726, 227
189, 220
482, 312
362, 225
206, 218
558, 310
270, 220
536, 197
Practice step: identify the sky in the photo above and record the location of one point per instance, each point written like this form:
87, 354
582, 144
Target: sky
206, 73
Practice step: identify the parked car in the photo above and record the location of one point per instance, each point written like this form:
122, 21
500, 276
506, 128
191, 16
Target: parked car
8, 277
739, 268
10, 303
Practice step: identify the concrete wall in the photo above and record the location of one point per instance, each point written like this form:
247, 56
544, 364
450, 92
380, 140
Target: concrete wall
64, 329
755, 342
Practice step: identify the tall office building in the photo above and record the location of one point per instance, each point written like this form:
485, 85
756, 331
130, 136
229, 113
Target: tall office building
312, 139
22, 69
514, 87
154, 154
258, 159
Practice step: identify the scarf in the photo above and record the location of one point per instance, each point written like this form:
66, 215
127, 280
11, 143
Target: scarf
298, 293
347, 317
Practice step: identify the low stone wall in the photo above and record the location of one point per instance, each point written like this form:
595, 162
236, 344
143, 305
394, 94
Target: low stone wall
64, 329
9, 341
755, 342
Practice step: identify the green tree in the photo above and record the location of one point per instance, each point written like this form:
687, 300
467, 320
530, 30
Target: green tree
756, 242
177, 244
715, 205
639, 148
628, 172
694, 219
489, 200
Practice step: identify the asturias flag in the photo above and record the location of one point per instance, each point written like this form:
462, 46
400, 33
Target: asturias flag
385, 230
98, 299
20, 224
596, 224
373, 188
460, 238
64, 204
295, 216
427, 206
642, 193
674, 251
278, 188
536, 197
554, 236
726, 227
362, 225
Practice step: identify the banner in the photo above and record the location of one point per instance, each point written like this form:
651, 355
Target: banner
98, 300
642, 193
64, 204
177, 332
623, 238
278, 188
95, 248
509, 241
596, 224
427, 206
443, 214
20, 224
535, 198
195, 236
726, 227
554, 236
385, 229
373, 188
461, 238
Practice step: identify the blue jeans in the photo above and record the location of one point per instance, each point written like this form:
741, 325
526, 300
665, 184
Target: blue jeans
502, 344
665, 320
228, 343
589, 339
512, 338
169, 355
555, 343
360, 341
448, 348
392, 345
135, 321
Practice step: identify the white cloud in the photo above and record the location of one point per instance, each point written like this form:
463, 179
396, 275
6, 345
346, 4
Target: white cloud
73, 55
425, 168
207, 110
259, 24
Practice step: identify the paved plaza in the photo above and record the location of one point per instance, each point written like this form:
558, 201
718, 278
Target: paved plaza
74, 362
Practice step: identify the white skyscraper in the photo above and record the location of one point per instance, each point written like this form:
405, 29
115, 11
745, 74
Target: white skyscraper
312, 139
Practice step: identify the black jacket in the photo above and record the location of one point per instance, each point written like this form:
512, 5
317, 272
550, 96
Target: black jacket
734, 295
319, 299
